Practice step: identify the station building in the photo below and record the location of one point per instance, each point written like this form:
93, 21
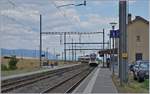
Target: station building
137, 39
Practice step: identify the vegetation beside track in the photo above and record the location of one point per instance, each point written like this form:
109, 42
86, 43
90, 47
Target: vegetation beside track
26, 65
133, 86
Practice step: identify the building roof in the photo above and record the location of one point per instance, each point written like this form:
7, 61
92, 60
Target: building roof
139, 18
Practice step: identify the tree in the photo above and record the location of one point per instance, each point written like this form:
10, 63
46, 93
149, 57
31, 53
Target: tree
12, 63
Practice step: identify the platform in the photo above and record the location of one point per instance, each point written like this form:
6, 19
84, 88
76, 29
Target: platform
35, 72
99, 81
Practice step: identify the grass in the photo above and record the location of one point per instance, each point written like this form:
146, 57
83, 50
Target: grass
146, 84
18, 71
132, 86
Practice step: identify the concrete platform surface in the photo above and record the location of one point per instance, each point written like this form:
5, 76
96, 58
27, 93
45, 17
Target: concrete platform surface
99, 81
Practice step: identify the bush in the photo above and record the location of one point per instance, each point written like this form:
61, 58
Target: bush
12, 63
3, 67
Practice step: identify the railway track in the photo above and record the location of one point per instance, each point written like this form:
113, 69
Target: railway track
14, 83
22, 85
68, 85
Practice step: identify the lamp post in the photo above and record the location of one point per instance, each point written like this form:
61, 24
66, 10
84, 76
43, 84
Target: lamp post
113, 24
72, 51
109, 47
103, 45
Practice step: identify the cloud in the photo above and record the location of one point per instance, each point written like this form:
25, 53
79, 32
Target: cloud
95, 21
20, 25
132, 1
95, 2
25, 15
18, 38
72, 13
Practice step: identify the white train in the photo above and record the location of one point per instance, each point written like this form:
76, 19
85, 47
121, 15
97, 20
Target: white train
92, 61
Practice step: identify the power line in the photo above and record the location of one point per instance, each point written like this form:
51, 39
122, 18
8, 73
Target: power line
75, 33
21, 24
13, 3
61, 12
79, 25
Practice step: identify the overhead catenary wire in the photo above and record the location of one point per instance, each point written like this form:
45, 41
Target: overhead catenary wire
21, 24
63, 14
12, 3
78, 24
18, 8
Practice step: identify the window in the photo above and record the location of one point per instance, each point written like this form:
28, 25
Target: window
138, 56
138, 39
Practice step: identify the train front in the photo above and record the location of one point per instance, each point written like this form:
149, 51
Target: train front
92, 61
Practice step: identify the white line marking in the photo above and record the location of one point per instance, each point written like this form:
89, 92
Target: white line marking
92, 73
90, 85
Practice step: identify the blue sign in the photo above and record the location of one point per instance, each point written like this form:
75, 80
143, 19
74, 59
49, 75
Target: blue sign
117, 33
43, 55
114, 33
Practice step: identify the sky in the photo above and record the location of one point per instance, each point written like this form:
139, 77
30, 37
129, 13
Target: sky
19, 21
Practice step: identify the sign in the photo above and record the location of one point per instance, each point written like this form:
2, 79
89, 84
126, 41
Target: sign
43, 55
57, 54
117, 34
114, 33
124, 55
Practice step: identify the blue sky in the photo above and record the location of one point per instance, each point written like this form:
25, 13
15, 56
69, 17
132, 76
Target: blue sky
140, 8
20, 20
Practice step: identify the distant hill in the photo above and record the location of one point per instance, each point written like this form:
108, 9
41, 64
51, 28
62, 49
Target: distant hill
25, 53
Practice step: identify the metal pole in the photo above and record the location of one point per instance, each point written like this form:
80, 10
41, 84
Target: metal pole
75, 52
69, 54
80, 41
103, 45
72, 51
62, 56
123, 41
54, 53
35, 53
65, 45
47, 53
110, 42
40, 39
113, 55
110, 53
